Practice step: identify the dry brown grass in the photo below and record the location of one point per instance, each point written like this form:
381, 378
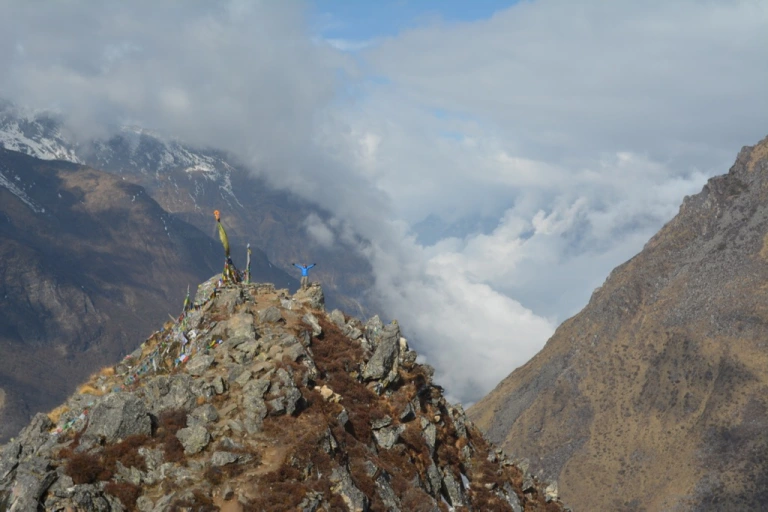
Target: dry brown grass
107, 371
55, 415
87, 389
126, 492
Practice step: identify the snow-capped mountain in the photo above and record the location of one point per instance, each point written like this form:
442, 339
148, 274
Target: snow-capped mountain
191, 183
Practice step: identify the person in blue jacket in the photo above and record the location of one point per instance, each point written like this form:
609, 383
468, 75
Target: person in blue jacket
304, 273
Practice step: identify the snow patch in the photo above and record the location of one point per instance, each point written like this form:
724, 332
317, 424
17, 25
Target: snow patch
18, 192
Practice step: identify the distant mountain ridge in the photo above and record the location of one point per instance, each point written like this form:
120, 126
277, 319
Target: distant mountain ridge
657, 391
191, 183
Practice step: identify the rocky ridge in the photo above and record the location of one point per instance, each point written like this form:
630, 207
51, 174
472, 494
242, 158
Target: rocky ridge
89, 263
255, 399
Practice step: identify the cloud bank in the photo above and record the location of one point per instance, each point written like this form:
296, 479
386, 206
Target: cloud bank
573, 128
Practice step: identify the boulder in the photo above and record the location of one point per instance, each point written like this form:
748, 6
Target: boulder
118, 416
353, 497
203, 415
199, 364
270, 315
312, 297
194, 438
453, 490
382, 364
311, 319
220, 458
337, 317
388, 436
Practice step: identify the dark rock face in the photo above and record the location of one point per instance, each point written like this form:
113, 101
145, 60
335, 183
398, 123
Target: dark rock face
239, 402
117, 417
657, 387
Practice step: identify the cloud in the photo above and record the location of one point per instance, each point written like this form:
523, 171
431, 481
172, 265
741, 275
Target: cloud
576, 127
319, 231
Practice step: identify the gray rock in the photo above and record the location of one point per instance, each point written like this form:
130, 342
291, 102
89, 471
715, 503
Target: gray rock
270, 315
228, 299
434, 480
528, 483
203, 415
244, 377
429, 431
249, 349
224, 458
33, 477
381, 422
388, 436
352, 332
199, 364
277, 406
234, 342
343, 486
118, 416
178, 391
337, 317
294, 400
312, 296
408, 413
328, 443
286, 379
311, 320
9, 460
153, 458
144, 504
132, 474
510, 496
459, 420
239, 325
89, 497
296, 352
218, 385
373, 327
453, 490
164, 503
256, 388
311, 502
386, 493
227, 444
343, 417
194, 439
383, 363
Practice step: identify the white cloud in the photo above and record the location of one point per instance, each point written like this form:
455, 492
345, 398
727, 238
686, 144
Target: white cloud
319, 231
578, 126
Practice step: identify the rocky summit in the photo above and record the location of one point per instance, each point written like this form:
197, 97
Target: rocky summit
256, 399
658, 389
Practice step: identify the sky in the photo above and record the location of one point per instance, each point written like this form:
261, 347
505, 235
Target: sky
499, 159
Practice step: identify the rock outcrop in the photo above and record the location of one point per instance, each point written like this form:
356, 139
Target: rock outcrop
657, 390
89, 263
259, 400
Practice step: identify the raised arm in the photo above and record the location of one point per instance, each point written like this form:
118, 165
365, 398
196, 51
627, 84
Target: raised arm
310, 266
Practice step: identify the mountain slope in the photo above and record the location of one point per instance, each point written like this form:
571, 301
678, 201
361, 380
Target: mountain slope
88, 263
192, 182
256, 400
658, 389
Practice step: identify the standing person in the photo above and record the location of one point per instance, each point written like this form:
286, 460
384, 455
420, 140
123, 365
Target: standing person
304, 274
